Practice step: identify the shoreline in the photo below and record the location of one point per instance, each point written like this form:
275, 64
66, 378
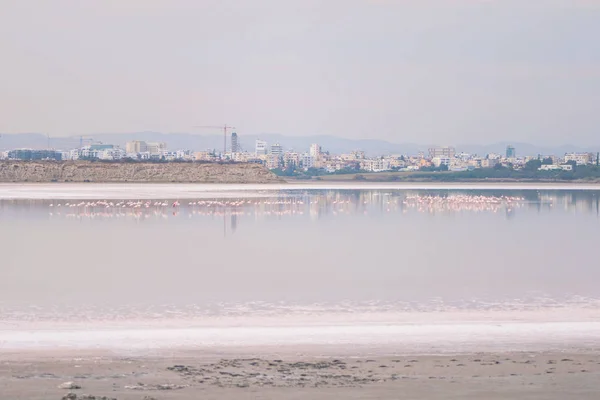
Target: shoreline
137, 191
343, 339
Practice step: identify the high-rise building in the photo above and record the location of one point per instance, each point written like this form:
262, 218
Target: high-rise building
235, 147
277, 150
136, 146
315, 150
260, 148
510, 152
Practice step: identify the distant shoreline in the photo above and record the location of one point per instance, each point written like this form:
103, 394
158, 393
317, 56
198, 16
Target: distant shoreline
441, 177
337, 179
181, 191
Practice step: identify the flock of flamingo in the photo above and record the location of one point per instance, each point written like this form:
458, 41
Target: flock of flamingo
462, 202
286, 206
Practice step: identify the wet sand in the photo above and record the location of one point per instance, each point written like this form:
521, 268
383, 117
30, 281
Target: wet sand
197, 375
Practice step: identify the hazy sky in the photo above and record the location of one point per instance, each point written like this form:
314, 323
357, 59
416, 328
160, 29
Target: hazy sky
403, 70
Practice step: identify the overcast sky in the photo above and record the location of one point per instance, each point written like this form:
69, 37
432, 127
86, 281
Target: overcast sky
462, 71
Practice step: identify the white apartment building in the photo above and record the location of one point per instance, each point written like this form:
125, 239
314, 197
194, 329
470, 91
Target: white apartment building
111, 154
554, 167
308, 161
375, 165
73, 154
260, 148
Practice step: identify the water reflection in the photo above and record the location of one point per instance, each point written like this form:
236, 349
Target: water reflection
367, 250
316, 204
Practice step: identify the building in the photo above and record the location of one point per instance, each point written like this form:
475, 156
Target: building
140, 146
273, 161
554, 167
353, 156
489, 162
440, 160
260, 148
136, 146
101, 146
315, 150
114, 153
308, 161
156, 147
30, 154
475, 163
235, 146
375, 165
277, 150
291, 160
579, 158
443, 151
511, 152
205, 156
101, 152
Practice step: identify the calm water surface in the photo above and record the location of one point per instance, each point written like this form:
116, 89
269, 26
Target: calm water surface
301, 258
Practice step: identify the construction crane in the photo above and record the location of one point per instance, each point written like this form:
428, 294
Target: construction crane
225, 128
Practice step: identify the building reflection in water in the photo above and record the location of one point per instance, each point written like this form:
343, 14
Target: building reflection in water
314, 204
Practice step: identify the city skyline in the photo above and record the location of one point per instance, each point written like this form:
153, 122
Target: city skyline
202, 142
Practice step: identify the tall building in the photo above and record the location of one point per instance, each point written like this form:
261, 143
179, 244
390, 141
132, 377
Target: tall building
315, 150
235, 147
511, 152
277, 150
260, 148
136, 146
443, 151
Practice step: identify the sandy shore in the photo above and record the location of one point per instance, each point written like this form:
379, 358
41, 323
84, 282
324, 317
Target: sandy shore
196, 375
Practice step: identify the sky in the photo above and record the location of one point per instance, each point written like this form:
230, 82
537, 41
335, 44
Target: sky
426, 71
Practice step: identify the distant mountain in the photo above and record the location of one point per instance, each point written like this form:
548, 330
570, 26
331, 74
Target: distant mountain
298, 143
204, 142
333, 144
524, 149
